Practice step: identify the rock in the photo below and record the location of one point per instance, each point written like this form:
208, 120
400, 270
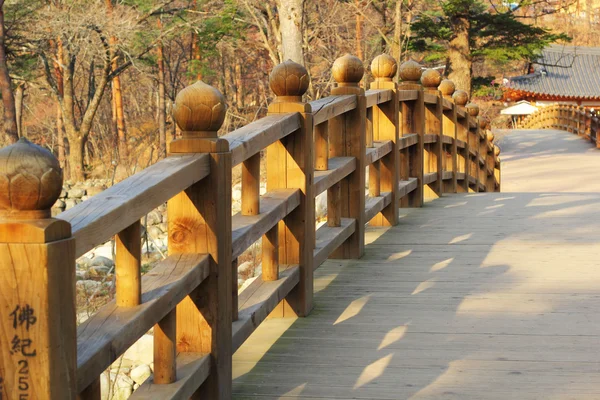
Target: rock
84, 262
122, 386
59, 204
70, 203
55, 211
245, 268
63, 194
76, 193
155, 231
164, 227
87, 285
321, 205
99, 270
140, 374
154, 218
236, 195
82, 275
84, 198
94, 190
142, 351
100, 261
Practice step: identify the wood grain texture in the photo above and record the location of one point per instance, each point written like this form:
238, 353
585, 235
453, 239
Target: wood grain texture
192, 371
454, 310
329, 107
106, 335
128, 256
339, 168
97, 219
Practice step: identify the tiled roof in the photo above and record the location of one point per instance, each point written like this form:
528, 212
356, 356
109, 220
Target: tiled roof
563, 71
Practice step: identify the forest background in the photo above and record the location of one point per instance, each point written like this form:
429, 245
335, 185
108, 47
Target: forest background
94, 80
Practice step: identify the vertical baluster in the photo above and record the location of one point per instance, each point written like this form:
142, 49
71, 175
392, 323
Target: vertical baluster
473, 110
322, 146
334, 205
270, 255
128, 262
165, 349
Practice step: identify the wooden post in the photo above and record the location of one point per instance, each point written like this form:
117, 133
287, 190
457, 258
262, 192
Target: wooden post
461, 98
497, 166
200, 222
490, 183
128, 264
431, 79
450, 128
37, 285
347, 138
290, 164
412, 114
386, 127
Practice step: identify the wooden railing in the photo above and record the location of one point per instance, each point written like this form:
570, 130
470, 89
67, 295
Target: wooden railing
566, 117
416, 142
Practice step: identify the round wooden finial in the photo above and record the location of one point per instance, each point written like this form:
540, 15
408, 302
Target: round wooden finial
30, 181
348, 70
410, 71
384, 67
431, 78
289, 79
490, 137
496, 150
460, 97
447, 87
199, 110
472, 109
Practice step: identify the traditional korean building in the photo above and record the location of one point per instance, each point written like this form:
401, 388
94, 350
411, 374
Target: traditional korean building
564, 74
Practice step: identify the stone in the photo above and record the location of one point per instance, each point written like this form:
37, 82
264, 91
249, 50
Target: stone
245, 267
99, 270
122, 386
70, 203
59, 204
236, 195
155, 231
94, 190
87, 285
76, 193
154, 218
140, 374
84, 262
63, 194
102, 262
142, 351
82, 275
163, 227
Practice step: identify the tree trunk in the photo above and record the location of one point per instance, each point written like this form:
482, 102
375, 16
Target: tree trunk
588, 22
397, 42
239, 85
19, 96
60, 136
8, 100
162, 127
291, 14
76, 168
359, 31
117, 97
459, 54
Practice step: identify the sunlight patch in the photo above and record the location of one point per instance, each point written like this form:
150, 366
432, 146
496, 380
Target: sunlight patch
462, 203
441, 265
373, 371
393, 336
462, 238
423, 286
400, 255
295, 391
353, 309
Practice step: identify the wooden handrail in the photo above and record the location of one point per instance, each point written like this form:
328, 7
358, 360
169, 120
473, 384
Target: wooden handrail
567, 117
418, 139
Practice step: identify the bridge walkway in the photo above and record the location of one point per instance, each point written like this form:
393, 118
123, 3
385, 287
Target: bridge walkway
418, 317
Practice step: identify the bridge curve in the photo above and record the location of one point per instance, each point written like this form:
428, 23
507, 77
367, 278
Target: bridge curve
497, 299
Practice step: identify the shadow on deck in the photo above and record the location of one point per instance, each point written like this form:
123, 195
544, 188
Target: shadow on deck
482, 296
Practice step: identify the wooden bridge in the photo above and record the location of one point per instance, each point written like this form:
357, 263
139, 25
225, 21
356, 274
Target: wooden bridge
469, 293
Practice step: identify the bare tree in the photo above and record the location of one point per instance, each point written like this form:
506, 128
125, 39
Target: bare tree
291, 16
8, 99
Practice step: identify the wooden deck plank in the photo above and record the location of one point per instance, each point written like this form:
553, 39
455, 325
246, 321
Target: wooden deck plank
473, 296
